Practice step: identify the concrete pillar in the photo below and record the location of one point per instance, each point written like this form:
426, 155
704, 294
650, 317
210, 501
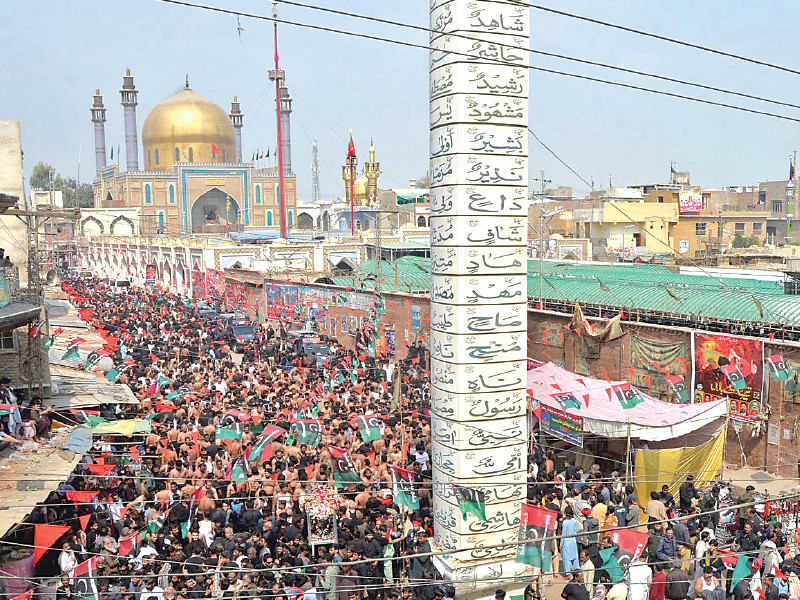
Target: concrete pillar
286, 129
237, 118
130, 98
479, 197
99, 119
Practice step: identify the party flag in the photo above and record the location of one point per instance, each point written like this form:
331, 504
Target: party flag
536, 524
627, 395
470, 500
44, 536
567, 400
72, 349
344, 471
734, 375
369, 427
778, 367
678, 385
232, 432
403, 488
308, 431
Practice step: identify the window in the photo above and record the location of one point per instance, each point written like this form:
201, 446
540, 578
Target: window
191, 155
258, 194
171, 193
700, 228
290, 218
269, 218
160, 222
757, 228
7, 340
224, 155
738, 228
762, 197
420, 221
156, 155
777, 206
661, 199
148, 157
177, 154
147, 197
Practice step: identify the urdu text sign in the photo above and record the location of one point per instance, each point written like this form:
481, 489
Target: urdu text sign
562, 425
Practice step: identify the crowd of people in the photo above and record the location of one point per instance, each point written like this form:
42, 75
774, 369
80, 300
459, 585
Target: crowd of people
682, 557
171, 520
194, 506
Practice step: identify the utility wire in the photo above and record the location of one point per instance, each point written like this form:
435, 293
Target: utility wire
663, 38
530, 67
540, 52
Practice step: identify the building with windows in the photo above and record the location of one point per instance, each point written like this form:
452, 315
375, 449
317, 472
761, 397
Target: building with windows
194, 179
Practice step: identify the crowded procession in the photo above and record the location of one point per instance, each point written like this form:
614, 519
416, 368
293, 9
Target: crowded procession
267, 474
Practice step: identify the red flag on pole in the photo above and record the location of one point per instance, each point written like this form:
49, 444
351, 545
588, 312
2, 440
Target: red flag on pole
45, 536
215, 150
351, 148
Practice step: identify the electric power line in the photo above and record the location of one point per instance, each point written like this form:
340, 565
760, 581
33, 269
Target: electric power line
530, 67
540, 52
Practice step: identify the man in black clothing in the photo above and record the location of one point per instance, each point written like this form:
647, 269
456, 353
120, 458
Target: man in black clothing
742, 589
770, 589
749, 542
687, 493
575, 588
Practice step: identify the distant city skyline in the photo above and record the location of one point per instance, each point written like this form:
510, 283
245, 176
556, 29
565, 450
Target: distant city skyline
59, 55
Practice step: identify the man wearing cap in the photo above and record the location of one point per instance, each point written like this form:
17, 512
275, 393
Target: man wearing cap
746, 498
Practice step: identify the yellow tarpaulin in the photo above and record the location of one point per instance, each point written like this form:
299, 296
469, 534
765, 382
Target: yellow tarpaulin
655, 468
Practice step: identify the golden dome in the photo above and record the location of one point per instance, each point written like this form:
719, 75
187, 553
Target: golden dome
188, 123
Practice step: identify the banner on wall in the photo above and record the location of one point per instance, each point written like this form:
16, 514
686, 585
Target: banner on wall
654, 360
150, 274
215, 283
198, 284
713, 354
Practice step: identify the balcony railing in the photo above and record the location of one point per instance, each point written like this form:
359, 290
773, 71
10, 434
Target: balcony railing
9, 285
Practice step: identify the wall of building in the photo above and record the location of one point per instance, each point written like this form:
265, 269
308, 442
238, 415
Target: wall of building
698, 234
13, 234
614, 360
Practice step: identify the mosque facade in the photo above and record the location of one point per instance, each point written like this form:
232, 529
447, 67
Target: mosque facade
194, 179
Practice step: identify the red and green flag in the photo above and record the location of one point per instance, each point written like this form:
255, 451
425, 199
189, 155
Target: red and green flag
307, 431
470, 500
537, 528
238, 472
678, 386
627, 545
262, 449
403, 488
52, 339
627, 395
231, 432
734, 375
567, 400
72, 349
344, 471
778, 368
93, 358
369, 427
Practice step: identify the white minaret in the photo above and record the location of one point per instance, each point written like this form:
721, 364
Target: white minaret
130, 98
478, 318
237, 118
99, 120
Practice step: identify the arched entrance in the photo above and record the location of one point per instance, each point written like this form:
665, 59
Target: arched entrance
305, 221
215, 212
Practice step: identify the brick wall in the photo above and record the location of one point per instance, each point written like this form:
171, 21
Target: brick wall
614, 358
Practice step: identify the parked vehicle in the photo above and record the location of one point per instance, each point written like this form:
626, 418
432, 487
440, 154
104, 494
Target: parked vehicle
240, 335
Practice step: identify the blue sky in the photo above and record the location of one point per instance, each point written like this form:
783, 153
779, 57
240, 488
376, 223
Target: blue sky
61, 50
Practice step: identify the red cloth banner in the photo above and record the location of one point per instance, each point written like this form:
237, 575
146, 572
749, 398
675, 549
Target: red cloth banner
45, 536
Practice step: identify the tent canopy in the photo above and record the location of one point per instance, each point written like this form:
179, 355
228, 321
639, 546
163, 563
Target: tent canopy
603, 415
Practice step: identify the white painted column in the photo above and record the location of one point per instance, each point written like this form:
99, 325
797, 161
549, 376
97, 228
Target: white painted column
479, 190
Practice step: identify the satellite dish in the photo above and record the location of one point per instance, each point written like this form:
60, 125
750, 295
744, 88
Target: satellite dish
50, 278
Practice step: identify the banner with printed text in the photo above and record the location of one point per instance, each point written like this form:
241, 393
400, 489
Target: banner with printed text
714, 354
215, 283
549, 333
198, 284
655, 360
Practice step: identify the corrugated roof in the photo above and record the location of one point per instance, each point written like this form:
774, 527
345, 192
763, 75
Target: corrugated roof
643, 287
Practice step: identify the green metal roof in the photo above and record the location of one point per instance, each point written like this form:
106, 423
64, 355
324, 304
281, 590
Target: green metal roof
630, 287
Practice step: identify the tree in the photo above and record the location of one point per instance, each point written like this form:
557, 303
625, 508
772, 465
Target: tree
741, 241
424, 181
45, 177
